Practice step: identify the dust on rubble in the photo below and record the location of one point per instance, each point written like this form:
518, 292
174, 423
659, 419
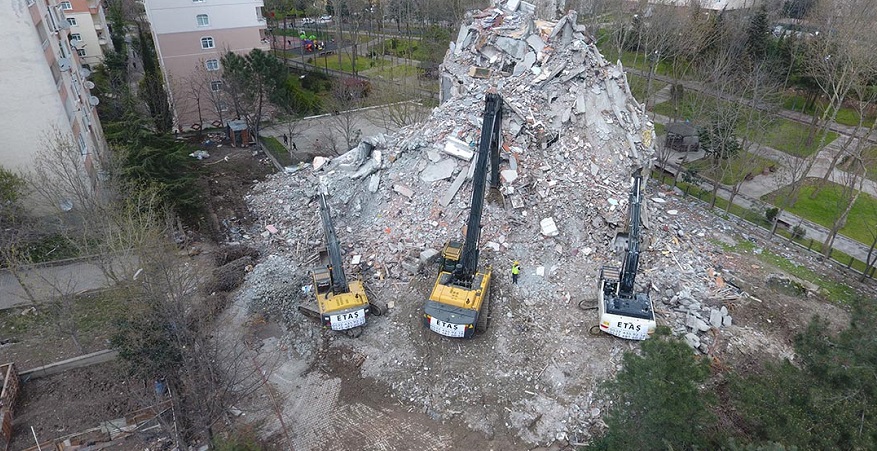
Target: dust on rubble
572, 135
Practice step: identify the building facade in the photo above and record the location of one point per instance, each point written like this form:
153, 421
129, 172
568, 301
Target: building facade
190, 38
45, 90
89, 33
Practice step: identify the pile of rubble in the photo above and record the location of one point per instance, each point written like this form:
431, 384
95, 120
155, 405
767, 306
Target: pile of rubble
572, 135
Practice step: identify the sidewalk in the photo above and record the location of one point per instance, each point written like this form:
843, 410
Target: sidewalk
751, 191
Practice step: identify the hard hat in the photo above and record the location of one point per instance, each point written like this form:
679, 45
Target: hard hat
517, 262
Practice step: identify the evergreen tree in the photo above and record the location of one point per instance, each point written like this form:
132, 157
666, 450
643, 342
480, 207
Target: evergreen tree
656, 398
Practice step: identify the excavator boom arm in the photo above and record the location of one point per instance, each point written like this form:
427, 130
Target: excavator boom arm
333, 246
631, 261
491, 136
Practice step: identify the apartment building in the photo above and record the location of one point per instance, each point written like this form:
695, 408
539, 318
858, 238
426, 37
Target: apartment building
190, 38
89, 33
45, 89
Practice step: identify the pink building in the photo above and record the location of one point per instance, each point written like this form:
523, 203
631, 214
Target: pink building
190, 38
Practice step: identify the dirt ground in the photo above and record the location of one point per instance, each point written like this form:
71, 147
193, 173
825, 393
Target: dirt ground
74, 401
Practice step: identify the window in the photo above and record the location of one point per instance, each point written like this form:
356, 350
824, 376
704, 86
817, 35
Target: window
71, 21
215, 85
66, 6
197, 1
207, 42
83, 147
75, 37
212, 64
80, 52
203, 20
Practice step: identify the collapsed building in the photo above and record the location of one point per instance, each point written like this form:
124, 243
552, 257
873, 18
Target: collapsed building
572, 136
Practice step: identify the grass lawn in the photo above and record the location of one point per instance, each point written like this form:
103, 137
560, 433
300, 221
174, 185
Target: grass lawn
846, 116
870, 157
790, 137
835, 291
94, 316
399, 47
737, 168
638, 86
277, 150
824, 208
345, 65
390, 71
660, 129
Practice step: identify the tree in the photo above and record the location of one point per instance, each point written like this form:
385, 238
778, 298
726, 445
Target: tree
348, 95
656, 399
252, 81
827, 399
152, 89
758, 34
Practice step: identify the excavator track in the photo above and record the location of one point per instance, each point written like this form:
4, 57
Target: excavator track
483, 316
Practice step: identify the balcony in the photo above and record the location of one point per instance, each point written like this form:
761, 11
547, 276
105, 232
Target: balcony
101, 41
98, 27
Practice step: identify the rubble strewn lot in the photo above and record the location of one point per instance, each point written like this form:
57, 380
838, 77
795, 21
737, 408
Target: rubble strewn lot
573, 134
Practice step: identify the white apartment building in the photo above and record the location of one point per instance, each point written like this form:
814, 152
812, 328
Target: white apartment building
89, 34
45, 89
190, 38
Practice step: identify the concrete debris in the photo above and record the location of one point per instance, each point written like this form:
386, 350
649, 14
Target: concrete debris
572, 135
438, 171
549, 228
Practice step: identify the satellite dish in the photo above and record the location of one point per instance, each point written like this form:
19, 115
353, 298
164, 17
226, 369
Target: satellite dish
65, 204
77, 44
64, 64
93, 100
89, 84
84, 73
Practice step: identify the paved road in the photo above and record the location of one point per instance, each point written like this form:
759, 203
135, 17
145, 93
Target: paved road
42, 281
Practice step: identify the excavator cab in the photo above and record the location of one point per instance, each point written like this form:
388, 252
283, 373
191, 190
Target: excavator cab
451, 254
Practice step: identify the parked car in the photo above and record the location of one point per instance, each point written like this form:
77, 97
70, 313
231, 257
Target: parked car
325, 19
308, 20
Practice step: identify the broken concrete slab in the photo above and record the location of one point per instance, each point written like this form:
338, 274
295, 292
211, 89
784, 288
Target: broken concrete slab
458, 149
508, 176
452, 190
403, 190
438, 171
536, 43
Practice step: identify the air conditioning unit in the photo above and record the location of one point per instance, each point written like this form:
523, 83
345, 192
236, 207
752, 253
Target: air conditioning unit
64, 64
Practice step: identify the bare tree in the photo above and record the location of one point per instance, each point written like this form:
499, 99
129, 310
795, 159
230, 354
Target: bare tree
348, 95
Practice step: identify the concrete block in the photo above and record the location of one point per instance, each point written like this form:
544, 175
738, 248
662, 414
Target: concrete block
403, 190
508, 175
428, 256
549, 228
458, 149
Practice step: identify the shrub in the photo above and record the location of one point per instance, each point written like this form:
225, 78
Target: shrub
798, 232
771, 214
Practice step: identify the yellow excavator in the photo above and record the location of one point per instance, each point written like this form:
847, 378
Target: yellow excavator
341, 305
459, 305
